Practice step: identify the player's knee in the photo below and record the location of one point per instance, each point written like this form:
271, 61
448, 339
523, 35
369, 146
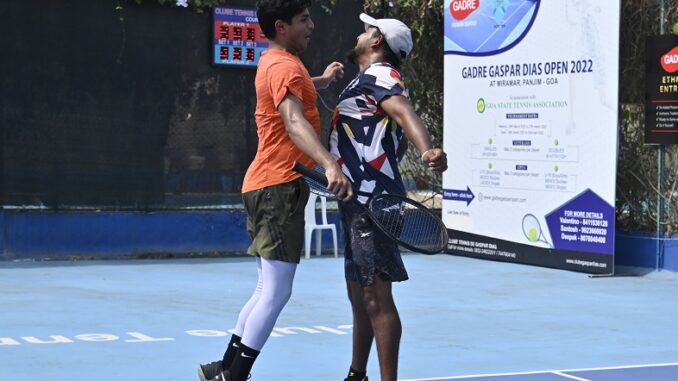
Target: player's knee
283, 296
372, 304
278, 297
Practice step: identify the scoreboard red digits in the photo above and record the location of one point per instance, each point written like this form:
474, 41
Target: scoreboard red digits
223, 32
237, 37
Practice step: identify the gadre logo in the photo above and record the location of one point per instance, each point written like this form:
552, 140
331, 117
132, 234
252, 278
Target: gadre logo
461, 9
669, 61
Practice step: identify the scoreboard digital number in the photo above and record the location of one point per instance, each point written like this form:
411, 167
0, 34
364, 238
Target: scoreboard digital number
238, 39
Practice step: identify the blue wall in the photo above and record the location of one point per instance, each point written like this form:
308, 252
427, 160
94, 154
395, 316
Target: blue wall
63, 235
639, 249
60, 235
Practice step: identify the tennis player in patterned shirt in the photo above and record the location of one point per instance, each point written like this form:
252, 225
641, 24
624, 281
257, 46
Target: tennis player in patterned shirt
373, 120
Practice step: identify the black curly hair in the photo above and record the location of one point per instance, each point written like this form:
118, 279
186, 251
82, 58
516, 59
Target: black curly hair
269, 11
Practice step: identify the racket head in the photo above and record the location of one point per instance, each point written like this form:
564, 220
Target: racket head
409, 223
406, 221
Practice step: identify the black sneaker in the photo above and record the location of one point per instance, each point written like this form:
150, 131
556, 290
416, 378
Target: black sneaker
207, 372
364, 379
224, 375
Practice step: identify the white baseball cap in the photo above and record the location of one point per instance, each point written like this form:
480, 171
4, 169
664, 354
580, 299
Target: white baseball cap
398, 36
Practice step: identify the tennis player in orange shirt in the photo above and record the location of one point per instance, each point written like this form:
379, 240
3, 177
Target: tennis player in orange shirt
288, 126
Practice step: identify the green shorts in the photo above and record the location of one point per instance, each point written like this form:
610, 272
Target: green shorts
275, 220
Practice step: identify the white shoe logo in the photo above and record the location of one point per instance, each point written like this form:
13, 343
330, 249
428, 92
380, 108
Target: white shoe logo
246, 356
235, 345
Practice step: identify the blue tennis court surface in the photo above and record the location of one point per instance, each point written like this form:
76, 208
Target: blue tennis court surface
462, 319
655, 372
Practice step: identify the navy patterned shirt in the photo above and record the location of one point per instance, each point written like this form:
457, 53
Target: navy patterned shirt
364, 140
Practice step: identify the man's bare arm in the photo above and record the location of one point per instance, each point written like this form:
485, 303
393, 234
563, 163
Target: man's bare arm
400, 109
304, 136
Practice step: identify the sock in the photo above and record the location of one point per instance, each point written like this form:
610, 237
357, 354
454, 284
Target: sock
354, 375
242, 364
232, 349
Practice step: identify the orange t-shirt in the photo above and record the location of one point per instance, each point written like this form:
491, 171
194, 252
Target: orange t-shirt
279, 73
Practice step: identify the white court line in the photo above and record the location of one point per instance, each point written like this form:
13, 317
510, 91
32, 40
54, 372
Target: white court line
571, 377
544, 371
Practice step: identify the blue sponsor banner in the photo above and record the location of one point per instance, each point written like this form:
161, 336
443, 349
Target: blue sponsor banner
530, 127
585, 223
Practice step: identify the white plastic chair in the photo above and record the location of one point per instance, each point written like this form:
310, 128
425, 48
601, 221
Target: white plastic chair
313, 225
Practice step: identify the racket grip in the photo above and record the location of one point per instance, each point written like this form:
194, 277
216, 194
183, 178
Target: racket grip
308, 172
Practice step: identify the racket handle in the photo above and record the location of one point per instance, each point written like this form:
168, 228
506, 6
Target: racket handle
322, 179
308, 172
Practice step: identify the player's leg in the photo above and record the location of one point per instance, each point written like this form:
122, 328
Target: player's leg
280, 240
257, 232
230, 353
362, 333
378, 300
276, 225
210, 371
383, 314
373, 262
278, 277
362, 327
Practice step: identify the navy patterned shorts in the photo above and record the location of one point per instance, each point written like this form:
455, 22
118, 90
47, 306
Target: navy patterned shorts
368, 251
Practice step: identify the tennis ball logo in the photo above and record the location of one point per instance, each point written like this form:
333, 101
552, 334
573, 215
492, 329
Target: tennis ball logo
532, 235
480, 105
669, 61
461, 9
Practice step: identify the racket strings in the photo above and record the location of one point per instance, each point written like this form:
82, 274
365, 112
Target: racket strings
409, 223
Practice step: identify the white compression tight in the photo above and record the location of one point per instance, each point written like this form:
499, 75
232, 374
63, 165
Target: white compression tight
258, 316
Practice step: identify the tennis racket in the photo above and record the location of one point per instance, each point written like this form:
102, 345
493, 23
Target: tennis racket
408, 222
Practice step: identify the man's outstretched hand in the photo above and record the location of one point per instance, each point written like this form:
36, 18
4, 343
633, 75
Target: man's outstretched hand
435, 159
333, 71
